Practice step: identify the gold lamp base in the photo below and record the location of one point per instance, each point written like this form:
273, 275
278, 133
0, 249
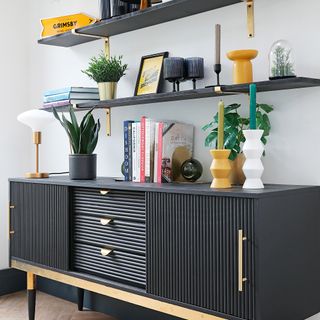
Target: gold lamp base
39, 175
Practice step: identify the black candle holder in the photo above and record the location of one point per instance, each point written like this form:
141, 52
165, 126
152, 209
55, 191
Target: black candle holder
194, 70
217, 70
174, 71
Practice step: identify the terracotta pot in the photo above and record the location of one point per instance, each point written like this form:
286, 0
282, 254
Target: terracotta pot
237, 176
242, 67
220, 169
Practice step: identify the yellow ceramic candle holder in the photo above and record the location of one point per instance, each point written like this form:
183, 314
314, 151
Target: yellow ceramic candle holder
242, 67
220, 169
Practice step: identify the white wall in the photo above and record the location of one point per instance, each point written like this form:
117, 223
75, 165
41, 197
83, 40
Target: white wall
15, 139
292, 152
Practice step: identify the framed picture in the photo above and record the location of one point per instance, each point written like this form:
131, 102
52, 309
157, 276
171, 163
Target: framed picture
150, 74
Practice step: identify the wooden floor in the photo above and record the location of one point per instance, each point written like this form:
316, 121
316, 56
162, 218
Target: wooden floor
14, 307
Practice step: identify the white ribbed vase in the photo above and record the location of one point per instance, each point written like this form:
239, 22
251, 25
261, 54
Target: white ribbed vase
253, 149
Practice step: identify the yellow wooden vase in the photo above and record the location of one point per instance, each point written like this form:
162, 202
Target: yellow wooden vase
220, 169
242, 66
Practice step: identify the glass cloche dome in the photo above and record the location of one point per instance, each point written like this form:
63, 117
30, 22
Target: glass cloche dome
281, 61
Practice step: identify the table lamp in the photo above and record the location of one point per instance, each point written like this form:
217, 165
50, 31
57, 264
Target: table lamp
37, 120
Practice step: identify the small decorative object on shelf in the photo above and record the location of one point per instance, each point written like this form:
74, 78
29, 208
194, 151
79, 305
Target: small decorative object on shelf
174, 71
83, 140
281, 61
242, 67
253, 148
144, 4
105, 9
233, 133
217, 66
194, 70
150, 74
58, 25
107, 72
118, 8
37, 120
191, 170
220, 167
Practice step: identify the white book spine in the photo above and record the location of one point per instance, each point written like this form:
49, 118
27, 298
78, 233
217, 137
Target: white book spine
138, 151
134, 151
156, 152
148, 150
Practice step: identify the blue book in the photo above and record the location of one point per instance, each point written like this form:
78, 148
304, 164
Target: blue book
71, 96
70, 89
127, 127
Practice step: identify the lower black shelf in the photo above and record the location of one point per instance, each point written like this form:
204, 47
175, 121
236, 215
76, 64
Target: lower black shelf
262, 86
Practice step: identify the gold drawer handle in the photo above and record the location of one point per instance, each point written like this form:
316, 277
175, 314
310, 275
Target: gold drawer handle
105, 221
241, 279
105, 252
104, 192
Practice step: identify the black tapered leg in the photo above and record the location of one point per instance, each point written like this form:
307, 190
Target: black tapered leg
31, 287
31, 304
80, 299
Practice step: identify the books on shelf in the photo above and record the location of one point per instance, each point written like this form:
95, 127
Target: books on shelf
70, 96
154, 151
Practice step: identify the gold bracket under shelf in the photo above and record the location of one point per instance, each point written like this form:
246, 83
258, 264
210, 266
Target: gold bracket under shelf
250, 18
107, 54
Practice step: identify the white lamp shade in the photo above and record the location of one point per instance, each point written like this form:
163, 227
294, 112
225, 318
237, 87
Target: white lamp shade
36, 119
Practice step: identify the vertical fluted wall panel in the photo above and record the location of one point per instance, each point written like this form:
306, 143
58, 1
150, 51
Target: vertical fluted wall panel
40, 220
192, 251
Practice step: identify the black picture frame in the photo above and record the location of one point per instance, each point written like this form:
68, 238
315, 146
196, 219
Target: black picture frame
160, 80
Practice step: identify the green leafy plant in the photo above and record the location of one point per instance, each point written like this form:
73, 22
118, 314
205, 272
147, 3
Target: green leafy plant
282, 66
84, 137
103, 69
234, 125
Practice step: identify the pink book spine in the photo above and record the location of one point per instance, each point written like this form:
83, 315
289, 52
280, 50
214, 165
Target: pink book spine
143, 150
160, 150
56, 104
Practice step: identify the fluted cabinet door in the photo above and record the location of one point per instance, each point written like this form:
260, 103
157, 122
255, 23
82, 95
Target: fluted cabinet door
195, 255
40, 221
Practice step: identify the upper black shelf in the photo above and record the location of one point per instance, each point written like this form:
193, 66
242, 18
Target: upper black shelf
262, 86
169, 11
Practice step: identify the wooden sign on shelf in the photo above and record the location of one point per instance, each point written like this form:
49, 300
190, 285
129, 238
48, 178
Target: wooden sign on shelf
58, 25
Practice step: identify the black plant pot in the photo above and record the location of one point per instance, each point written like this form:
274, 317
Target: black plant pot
83, 166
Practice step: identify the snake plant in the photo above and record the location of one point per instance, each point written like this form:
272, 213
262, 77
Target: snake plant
84, 137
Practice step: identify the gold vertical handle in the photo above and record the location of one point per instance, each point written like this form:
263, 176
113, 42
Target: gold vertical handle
11, 232
241, 279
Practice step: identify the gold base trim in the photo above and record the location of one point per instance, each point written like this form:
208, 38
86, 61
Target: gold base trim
133, 298
37, 175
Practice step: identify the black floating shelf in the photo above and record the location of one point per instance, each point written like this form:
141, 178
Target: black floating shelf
67, 39
169, 11
263, 86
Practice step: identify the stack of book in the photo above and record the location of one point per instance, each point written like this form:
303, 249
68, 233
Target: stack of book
154, 151
70, 96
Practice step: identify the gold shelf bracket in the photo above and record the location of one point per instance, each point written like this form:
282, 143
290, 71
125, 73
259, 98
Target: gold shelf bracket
250, 18
108, 122
107, 54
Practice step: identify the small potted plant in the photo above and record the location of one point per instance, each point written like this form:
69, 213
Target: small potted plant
107, 72
234, 125
83, 141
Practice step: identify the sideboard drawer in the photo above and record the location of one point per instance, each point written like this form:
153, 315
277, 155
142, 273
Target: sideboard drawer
117, 265
127, 235
129, 205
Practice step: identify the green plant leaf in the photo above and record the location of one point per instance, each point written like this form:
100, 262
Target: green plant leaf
232, 107
265, 107
207, 126
211, 139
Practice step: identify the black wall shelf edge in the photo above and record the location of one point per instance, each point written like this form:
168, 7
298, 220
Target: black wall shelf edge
66, 40
169, 11
262, 86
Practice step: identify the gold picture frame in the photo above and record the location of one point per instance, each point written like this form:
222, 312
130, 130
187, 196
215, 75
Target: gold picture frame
150, 74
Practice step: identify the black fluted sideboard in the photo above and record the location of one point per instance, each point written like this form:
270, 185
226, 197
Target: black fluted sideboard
184, 250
